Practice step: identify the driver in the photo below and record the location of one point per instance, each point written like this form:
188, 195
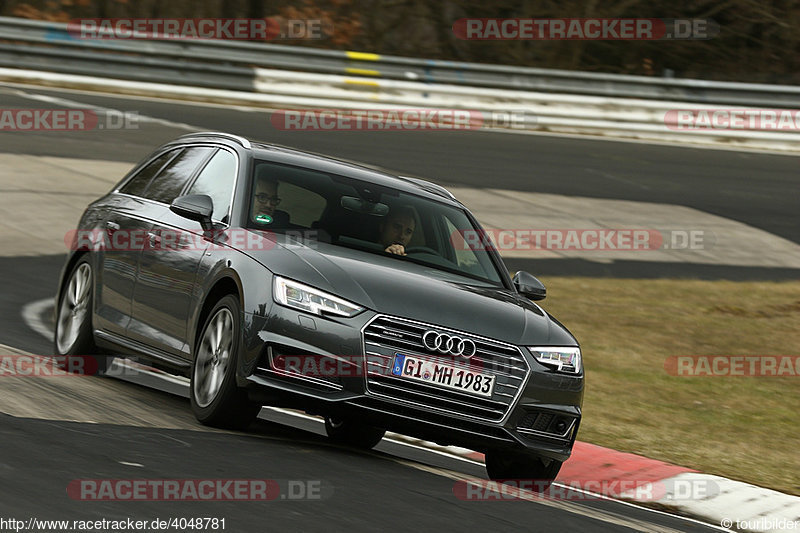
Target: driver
397, 229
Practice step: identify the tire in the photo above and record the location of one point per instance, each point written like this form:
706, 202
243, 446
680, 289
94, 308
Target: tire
73, 338
216, 399
501, 465
350, 433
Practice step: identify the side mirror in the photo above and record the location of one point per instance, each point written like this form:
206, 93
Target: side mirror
528, 286
197, 207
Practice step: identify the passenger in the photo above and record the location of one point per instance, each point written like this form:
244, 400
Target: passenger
397, 229
265, 203
265, 199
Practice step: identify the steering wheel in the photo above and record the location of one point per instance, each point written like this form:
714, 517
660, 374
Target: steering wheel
421, 250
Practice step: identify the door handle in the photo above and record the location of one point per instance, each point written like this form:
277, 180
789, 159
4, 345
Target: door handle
154, 239
112, 225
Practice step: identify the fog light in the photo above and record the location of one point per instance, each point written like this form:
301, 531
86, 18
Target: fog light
561, 426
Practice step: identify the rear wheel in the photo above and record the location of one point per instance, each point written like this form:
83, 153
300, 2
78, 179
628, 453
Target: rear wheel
73, 338
350, 433
501, 465
216, 399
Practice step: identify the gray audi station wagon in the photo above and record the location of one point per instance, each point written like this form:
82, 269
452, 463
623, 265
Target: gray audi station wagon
271, 276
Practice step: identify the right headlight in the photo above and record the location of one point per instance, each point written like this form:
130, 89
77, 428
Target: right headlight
299, 296
562, 359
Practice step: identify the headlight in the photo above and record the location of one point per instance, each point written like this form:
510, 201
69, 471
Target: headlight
566, 360
299, 296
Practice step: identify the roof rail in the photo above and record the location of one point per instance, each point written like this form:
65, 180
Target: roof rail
241, 140
430, 187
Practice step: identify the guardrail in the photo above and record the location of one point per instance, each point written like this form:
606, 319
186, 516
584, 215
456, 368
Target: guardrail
217, 63
277, 76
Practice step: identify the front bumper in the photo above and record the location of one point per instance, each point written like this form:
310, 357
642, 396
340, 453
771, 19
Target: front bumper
541, 417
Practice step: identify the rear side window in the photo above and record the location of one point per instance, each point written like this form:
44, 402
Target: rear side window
169, 183
138, 184
217, 180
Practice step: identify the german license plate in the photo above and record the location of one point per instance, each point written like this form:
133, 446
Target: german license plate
443, 375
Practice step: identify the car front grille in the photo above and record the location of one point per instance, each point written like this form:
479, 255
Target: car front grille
386, 336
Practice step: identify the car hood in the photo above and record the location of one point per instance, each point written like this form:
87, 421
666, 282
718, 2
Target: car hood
394, 286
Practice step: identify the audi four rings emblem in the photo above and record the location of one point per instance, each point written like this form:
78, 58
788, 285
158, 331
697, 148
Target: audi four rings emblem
445, 343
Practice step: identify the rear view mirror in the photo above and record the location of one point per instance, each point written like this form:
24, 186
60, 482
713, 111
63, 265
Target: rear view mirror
360, 205
197, 207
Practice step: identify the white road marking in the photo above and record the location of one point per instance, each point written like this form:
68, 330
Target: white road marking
126, 463
80, 105
120, 365
32, 315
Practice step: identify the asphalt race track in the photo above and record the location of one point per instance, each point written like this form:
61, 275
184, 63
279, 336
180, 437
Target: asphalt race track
748, 187
55, 431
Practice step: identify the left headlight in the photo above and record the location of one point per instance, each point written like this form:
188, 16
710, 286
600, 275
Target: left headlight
298, 296
567, 360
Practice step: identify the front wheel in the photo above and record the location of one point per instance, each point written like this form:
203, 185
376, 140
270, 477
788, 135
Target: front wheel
351, 433
216, 399
502, 465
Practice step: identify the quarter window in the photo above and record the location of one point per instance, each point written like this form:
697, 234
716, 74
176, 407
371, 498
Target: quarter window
138, 184
169, 183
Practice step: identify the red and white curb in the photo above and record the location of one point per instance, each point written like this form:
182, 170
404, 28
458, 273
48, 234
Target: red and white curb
717, 500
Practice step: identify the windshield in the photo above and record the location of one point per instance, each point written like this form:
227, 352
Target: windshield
355, 214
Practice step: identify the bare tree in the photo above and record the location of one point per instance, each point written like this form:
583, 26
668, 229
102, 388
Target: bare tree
757, 40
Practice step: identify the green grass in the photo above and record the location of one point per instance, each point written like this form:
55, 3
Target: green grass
743, 428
